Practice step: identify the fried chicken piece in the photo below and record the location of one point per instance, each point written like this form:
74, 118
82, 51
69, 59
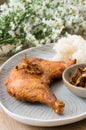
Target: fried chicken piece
30, 80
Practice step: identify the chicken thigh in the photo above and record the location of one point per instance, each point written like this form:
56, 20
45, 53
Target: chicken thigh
30, 80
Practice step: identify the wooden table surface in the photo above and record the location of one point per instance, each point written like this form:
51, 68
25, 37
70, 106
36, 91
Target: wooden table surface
7, 123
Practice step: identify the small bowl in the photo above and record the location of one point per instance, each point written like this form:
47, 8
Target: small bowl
81, 92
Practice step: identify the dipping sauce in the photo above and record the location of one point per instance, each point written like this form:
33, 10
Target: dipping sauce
78, 78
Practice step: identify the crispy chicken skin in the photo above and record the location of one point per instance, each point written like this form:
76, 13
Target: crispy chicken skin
30, 80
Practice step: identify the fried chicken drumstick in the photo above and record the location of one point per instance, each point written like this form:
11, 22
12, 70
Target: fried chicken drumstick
30, 80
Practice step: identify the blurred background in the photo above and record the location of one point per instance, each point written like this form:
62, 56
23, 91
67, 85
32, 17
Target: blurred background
2, 1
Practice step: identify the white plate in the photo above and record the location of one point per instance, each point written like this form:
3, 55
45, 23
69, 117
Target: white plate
38, 114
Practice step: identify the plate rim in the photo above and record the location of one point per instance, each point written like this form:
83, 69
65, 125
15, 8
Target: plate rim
69, 119
43, 123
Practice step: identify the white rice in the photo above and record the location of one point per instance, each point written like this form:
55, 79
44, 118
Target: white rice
70, 47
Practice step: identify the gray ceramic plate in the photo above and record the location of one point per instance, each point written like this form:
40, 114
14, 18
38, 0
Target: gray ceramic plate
39, 114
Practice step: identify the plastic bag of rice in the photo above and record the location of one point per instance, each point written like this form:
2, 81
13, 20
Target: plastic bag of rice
70, 47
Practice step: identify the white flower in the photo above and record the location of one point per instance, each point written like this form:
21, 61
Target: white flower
30, 37
12, 33
54, 36
42, 41
18, 31
49, 11
57, 31
19, 47
36, 42
44, 30
28, 1
60, 22
45, 2
3, 7
47, 40
50, 22
27, 27
37, 21
17, 5
12, 25
84, 24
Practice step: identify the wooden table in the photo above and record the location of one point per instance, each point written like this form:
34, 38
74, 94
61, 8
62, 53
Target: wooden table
7, 123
